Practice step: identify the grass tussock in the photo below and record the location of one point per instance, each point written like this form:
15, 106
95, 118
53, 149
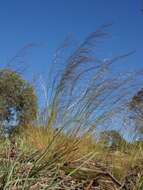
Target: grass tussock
60, 150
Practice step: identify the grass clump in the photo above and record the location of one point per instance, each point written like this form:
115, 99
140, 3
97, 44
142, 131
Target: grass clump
61, 150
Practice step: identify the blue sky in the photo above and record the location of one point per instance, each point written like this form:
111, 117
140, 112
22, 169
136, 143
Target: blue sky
48, 22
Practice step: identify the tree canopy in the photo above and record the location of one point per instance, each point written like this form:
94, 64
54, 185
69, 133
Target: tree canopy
136, 108
18, 102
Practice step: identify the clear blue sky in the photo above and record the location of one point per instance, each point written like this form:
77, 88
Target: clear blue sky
48, 22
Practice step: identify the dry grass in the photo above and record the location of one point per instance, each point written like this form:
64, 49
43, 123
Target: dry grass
40, 162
